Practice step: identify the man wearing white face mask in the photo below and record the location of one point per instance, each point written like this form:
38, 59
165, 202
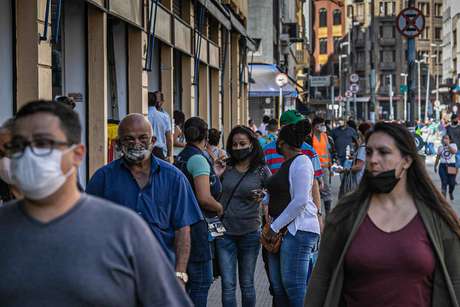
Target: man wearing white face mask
7, 190
72, 249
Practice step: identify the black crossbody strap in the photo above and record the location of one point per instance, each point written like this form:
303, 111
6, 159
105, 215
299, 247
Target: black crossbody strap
235, 188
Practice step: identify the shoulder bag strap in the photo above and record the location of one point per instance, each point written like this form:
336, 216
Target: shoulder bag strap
235, 188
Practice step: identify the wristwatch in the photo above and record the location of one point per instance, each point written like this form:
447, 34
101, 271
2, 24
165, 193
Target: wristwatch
182, 276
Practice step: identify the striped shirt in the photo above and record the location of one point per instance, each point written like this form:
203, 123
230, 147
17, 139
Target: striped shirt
274, 160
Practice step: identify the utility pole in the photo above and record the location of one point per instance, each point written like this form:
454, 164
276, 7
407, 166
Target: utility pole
419, 100
411, 69
392, 116
437, 46
405, 95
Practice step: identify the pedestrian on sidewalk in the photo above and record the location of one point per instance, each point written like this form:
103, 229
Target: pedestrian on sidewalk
453, 130
178, 136
153, 188
161, 124
393, 242
242, 184
213, 150
203, 176
64, 248
8, 191
320, 142
343, 137
293, 218
446, 161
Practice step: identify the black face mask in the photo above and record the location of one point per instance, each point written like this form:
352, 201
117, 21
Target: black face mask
455, 122
383, 183
241, 154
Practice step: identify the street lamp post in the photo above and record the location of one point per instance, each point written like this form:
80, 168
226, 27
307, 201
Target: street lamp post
405, 95
390, 76
427, 99
419, 101
437, 46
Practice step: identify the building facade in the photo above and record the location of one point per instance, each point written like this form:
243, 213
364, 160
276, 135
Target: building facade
109, 54
450, 51
280, 28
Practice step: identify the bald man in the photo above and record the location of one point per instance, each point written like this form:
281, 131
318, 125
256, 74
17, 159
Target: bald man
155, 189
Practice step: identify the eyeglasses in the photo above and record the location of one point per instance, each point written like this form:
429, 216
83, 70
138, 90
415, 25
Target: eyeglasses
39, 147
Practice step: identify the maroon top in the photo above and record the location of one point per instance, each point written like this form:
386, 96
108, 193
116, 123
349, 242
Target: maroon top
389, 269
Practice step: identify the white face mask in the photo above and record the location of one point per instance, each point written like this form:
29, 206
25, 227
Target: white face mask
39, 177
5, 170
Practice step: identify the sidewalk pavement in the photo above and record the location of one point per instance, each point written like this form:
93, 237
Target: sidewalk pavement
260, 278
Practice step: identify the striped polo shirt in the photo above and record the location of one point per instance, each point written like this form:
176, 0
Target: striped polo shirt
274, 160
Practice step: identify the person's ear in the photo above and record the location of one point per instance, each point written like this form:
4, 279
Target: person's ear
78, 154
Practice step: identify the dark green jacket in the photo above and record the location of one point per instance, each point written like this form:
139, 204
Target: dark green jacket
325, 286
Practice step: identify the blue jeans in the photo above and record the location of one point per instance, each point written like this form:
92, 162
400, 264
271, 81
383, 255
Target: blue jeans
244, 250
447, 180
289, 268
200, 280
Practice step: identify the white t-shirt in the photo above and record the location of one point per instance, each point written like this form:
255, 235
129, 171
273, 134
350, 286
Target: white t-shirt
445, 155
161, 124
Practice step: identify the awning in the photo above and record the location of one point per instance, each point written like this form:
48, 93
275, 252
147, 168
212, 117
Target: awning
218, 12
262, 82
236, 23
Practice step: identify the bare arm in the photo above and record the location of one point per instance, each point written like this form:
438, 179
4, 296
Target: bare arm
436, 162
177, 134
204, 197
316, 194
169, 143
182, 243
358, 166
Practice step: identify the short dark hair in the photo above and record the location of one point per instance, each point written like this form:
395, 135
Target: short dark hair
68, 119
272, 125
67, 100
265, 119
179, 118
295, 134
257, 155
214, 136
195, 130
152, 98
317, 121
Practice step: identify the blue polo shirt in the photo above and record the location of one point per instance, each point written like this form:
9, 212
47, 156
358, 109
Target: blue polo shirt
167, 203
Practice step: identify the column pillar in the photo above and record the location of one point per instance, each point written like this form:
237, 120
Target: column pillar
33, 57
166, 68
227, 88
203, 87
235, 80
215, 116
97, 88
137, 77
187, 87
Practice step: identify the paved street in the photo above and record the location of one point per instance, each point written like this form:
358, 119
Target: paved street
263, 296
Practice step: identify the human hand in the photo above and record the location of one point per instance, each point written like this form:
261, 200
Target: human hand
258, 195
219, 167
220, 210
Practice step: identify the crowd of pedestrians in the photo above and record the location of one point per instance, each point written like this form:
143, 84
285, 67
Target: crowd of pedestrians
178, 210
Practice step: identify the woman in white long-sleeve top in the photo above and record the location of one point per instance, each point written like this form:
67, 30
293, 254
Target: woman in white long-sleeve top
292, 212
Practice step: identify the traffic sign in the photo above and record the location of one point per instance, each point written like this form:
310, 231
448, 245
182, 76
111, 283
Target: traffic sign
281, 79
320, 81
354, 78
410, 22
348, 94
437, 103
339, 98
354, 88
403, 88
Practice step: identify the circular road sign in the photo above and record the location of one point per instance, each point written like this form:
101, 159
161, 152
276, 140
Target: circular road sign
354, 88
437, 103
281, 79
339, 98
410, 22
354, 78
348, 94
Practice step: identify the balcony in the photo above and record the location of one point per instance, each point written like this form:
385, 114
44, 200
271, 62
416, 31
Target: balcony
387, 41
387, 66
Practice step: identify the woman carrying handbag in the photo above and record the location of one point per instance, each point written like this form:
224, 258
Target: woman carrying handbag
295, 227
447, 169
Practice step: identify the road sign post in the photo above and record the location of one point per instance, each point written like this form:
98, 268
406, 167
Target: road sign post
281, 80
410, 23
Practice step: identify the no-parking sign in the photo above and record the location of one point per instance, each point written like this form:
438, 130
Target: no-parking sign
410, 22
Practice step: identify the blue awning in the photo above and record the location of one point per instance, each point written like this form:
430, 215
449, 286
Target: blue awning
262, 82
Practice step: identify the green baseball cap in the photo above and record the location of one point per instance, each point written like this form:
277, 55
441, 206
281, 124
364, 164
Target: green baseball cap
290, 117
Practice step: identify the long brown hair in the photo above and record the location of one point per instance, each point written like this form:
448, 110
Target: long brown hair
419, 184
